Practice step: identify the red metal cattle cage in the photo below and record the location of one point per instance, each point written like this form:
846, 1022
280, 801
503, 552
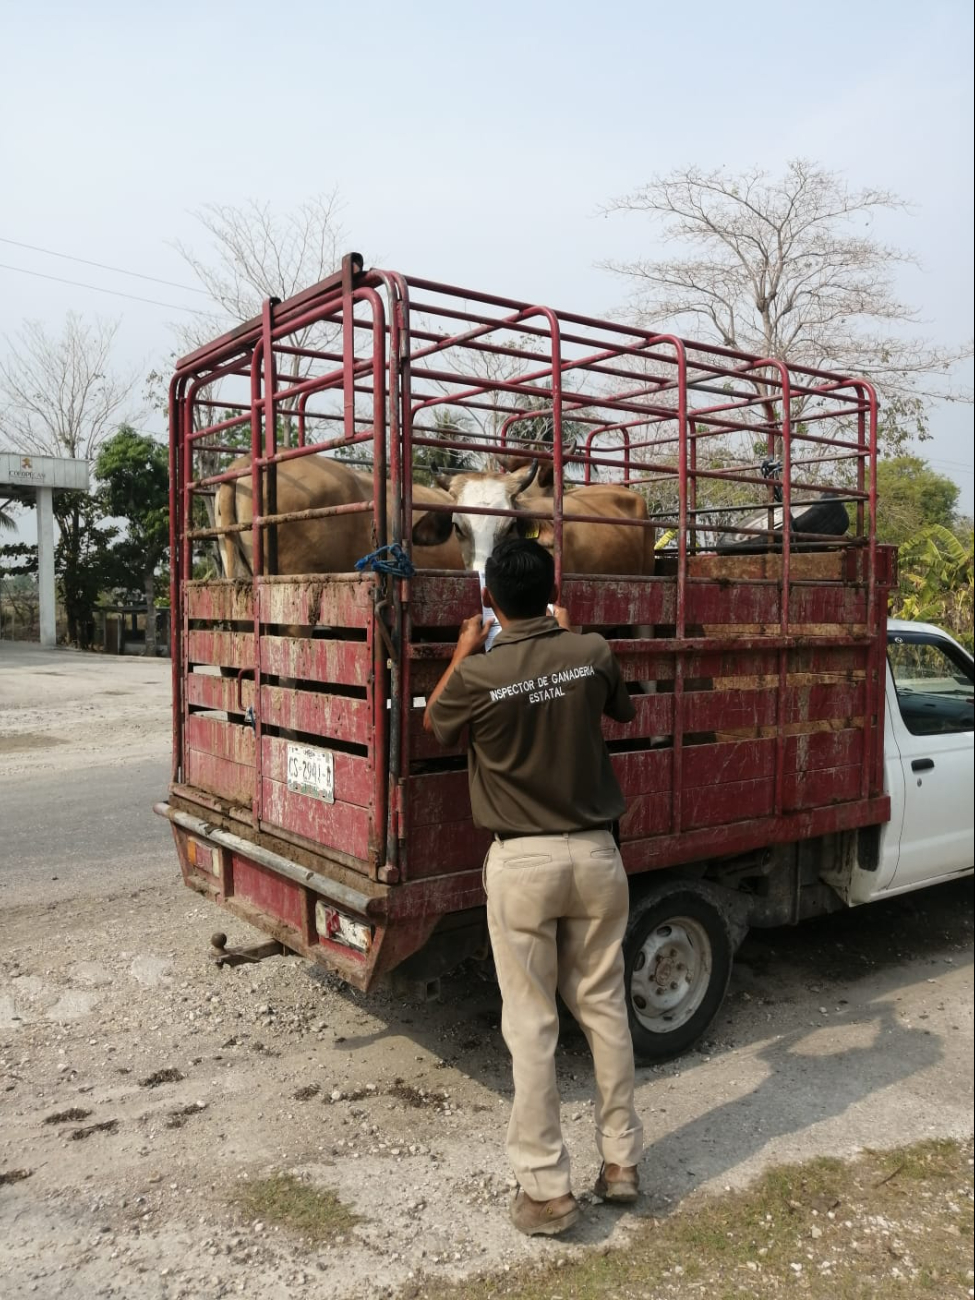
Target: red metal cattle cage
306, 796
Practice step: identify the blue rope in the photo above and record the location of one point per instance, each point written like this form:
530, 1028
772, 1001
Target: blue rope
399, 565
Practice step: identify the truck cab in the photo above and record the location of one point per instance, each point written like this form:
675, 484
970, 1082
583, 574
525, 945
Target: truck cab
928, 760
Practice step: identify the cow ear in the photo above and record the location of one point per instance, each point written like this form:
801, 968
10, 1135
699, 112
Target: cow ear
443, 481
546, 474
432, 528
511, 464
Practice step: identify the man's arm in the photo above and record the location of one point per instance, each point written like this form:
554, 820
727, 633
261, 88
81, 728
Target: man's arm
473, 634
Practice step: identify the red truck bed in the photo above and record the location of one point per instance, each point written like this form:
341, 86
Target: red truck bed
766, 722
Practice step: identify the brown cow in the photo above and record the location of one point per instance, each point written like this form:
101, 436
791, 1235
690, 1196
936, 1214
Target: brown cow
331, 544
589, 548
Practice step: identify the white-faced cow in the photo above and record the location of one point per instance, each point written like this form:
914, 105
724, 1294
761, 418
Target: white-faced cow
613, 547
330, 544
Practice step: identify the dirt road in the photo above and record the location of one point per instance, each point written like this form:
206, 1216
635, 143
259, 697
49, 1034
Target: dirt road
141, 1089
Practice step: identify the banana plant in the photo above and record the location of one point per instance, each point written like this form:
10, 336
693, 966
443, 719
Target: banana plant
936, 580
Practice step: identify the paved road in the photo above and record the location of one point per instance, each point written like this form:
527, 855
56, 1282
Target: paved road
87, 831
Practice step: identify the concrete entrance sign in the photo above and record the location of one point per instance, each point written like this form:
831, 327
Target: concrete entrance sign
44, 475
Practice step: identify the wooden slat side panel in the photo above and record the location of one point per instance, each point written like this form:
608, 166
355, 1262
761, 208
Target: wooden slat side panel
644, 771
808, 566
424, 746
341, 826
443, 601
223, 649
220, 601
820, 787
437, 797
642, 663
728, 762
828, 604
221, 693
619, 602
720, 805
823, 749
220, 776
335, 717
450, 846
345, 663
274, 895
223, 739
353, 774
331, 601
719, 603
727, 710
837, 701
646, 814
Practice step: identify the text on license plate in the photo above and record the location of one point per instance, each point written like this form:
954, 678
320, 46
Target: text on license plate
311, 771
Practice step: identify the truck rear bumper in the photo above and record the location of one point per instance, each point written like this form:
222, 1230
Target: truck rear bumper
360, 934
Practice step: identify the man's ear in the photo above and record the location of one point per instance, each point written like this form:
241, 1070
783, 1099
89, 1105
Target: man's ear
432, 528
487, 600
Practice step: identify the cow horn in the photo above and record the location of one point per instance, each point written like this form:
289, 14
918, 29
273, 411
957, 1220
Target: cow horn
526, 482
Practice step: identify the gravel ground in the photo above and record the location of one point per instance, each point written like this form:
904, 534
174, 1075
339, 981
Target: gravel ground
141, 1088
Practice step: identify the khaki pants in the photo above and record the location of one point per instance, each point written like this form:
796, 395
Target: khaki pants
557, 908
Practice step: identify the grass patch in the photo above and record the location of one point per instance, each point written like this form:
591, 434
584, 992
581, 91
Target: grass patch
313, 1212
895, 1223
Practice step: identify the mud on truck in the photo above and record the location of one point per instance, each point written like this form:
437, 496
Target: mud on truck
782, 763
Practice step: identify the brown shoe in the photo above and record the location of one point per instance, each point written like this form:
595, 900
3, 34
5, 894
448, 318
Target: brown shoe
618, 1183
543, 1218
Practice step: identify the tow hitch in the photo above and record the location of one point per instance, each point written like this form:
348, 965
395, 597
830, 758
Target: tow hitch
221, 955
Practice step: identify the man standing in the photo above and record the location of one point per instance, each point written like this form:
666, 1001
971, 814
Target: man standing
541, 780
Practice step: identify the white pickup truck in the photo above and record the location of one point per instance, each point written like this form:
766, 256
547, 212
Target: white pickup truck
690, 921
928, 761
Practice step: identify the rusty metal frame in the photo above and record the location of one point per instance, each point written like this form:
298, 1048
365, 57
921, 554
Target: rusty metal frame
651, 406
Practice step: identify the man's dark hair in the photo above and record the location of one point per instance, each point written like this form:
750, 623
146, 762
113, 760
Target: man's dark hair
520, 576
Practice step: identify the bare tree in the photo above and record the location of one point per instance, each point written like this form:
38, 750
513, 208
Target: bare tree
255, 253
61, 397
786, 267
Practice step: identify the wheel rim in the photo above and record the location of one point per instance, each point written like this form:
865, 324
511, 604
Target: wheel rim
671, 973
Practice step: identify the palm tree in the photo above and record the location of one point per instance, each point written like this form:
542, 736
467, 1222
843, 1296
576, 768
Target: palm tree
7, 521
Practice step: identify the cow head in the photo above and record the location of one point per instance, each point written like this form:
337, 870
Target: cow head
479, 534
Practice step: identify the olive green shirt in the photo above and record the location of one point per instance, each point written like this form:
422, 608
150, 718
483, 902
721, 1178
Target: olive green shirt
537, 760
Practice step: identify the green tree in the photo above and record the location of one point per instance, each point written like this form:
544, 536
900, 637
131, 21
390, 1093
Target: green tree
133, 470
912, 496
83, 561
61, 396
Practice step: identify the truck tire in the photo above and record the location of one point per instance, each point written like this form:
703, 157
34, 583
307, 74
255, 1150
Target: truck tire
678, 952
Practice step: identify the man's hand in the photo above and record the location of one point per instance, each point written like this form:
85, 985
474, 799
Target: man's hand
473, 634
561, 615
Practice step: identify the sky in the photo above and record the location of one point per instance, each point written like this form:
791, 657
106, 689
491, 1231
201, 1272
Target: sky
469, 143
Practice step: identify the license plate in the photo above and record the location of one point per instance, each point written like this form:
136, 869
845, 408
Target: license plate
312, 772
